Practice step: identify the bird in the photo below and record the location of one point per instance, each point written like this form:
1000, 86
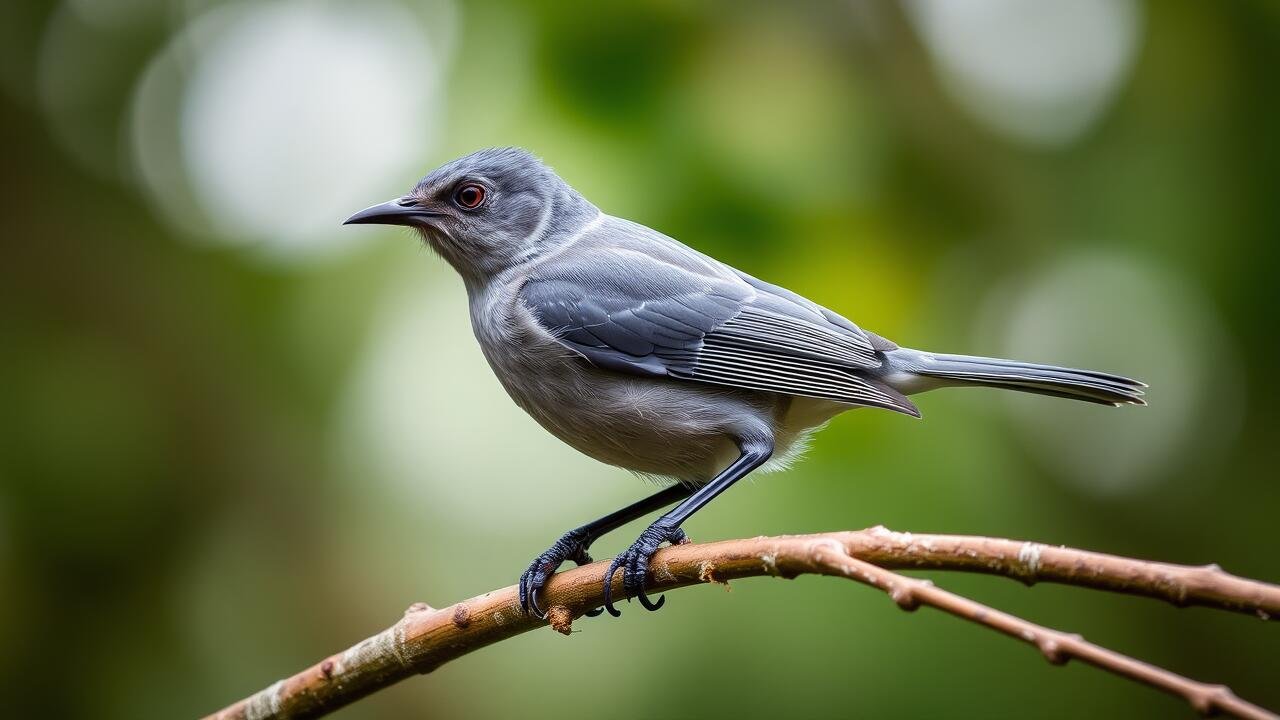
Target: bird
644, 353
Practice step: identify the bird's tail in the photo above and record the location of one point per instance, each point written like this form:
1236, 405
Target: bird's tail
914, 371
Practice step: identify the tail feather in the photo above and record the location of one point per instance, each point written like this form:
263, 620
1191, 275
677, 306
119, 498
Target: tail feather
1086, 385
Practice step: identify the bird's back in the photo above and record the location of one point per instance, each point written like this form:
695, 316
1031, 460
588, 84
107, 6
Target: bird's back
631, 299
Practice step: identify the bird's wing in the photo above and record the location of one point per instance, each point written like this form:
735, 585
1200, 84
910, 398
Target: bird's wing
662, 309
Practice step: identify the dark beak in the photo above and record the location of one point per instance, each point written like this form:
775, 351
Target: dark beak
394, 212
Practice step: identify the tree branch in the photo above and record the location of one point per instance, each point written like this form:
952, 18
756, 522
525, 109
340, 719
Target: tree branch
426, 638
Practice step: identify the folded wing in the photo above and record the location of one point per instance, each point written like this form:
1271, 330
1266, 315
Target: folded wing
667, 312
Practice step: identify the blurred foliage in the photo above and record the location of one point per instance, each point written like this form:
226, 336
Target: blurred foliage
217, 465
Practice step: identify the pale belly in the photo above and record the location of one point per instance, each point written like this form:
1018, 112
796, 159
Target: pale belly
655, 426
650, 426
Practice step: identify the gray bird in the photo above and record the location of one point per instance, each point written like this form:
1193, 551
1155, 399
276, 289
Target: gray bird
644, 353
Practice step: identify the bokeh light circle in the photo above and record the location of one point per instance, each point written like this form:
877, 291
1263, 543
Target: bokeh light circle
1109, 312
425, 413
267, 124
1037, 71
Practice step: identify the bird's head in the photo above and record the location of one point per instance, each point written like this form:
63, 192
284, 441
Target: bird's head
487, 211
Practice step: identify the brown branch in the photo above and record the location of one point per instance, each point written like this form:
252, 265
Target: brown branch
426, 638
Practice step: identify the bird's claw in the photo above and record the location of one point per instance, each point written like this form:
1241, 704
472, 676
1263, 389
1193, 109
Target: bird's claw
634, 562
571, 546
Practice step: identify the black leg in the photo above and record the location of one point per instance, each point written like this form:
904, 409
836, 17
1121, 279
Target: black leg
573, 545
635, 560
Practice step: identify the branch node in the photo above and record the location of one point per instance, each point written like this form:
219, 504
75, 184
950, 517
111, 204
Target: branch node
905, 596
707, 574
1029, 561
326, 669
1211, 699
461, 616
561, 619
770, 561
417, 608
1051, 649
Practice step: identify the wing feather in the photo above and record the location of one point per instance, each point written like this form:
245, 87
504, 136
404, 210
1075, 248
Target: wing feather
676, 313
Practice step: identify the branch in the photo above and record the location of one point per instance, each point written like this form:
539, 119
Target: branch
426, 638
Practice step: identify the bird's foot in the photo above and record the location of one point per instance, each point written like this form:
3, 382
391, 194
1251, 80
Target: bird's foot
571, 546
634, 562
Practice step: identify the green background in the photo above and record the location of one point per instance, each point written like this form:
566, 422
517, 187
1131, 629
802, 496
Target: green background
220, 462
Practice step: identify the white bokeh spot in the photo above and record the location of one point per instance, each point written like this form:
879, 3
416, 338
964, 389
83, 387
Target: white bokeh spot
271, 123
1106, 312
1038, 71
426, 413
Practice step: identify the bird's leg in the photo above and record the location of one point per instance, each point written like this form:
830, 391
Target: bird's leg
574, 544
634, 561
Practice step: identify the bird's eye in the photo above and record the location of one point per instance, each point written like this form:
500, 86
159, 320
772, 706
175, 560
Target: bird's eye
470, 196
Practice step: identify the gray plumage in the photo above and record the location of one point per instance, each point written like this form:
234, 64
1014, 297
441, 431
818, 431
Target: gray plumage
646, 354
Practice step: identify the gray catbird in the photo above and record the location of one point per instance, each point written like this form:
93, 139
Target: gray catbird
646, 354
